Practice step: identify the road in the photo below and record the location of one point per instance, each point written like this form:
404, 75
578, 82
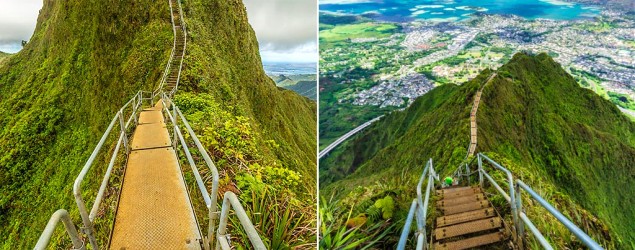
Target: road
626, 111
337, 142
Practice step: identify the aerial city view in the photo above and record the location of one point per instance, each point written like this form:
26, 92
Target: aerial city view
467, 124
377, 56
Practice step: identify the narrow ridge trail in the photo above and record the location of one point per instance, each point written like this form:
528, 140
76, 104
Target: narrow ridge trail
473, 125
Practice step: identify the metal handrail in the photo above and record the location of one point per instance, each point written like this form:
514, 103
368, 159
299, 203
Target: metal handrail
184, 28
420, 206
159, 89
209, 197
581, 235
511, 198
166, 71
520, 219
231, 201
87, 219
59, 215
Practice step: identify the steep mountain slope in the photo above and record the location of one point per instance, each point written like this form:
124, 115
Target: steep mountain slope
87, 58
57, 96
573, 146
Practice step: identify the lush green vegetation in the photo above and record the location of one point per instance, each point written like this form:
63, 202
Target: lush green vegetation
305, 88
3, 57
261, 136
338, 118
359, 30
303, 84
86, 59
621, 100
58, 95
571, 145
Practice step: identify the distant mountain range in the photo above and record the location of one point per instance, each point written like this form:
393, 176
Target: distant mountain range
303, 84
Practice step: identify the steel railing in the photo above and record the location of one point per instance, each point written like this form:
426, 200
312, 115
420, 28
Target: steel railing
210, 198
511, 198
231, 201
420, 208
88, 218
575, 230
59, 215
168, 66
519, 218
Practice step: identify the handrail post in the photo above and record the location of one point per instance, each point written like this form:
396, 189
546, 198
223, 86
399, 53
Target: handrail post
134, 107
174, 139
480, 170
59, 215
123, 132
521, 226
231, 201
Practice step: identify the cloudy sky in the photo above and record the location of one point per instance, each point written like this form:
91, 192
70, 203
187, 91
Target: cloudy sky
17, 22
286, 29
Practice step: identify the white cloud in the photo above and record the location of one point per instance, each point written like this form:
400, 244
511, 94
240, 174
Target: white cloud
304, 53
17, 22
285, 28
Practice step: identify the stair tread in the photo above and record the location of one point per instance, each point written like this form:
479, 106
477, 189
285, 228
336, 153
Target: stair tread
465, 217
468, 227
454, 189
459, 194
476, 241
451, 201
465, 207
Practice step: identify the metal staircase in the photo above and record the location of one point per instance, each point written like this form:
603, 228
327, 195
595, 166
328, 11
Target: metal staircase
469, 220
154, 210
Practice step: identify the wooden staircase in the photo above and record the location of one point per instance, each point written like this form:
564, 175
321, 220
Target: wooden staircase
468, 221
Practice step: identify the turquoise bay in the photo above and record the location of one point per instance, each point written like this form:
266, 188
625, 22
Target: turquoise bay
453, 10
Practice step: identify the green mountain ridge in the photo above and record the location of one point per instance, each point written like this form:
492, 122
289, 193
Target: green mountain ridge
86, 59
303, 84
568, 143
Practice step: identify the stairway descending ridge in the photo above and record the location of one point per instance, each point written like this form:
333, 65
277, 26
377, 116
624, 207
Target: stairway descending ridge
179, 51
468, 220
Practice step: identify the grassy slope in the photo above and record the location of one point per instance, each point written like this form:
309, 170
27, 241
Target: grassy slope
305, 88
255, 131
597, 146
580, 143
57, 96
223, 60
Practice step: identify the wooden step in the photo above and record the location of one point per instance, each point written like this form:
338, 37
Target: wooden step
452, 201
459, 194
454, 189
465, 207
480, 240
467, 228
465, 217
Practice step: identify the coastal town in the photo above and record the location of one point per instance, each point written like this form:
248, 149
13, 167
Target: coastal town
599, 52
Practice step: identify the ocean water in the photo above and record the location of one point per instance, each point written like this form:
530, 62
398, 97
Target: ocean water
454, 10
278, 68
